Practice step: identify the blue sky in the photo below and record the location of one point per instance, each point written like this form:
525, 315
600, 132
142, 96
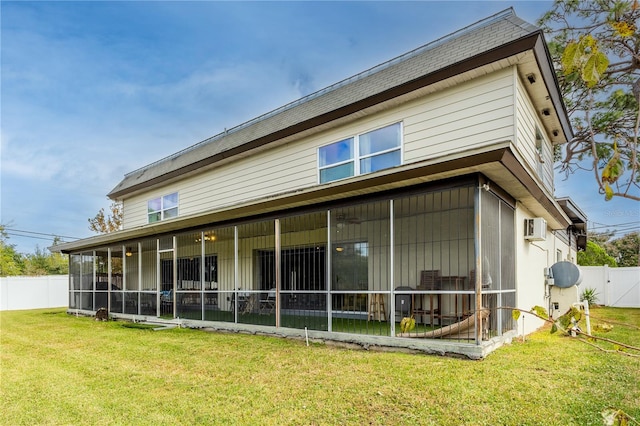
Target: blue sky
93, 90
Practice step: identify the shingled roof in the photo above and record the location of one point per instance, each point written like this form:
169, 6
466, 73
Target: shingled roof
491, 39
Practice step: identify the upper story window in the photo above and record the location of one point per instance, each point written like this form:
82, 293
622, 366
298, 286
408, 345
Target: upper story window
364, 153
162, 208
539, 151
539, 143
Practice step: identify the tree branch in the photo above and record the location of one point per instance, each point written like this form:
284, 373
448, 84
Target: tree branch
577, 331
607, 350
604, 339
592, 137
614, 322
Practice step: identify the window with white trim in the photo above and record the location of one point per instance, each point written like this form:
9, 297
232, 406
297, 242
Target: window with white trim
364, 153
162, 208
539, 151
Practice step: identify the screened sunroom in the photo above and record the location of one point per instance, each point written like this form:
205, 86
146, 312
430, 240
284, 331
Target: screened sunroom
442, 254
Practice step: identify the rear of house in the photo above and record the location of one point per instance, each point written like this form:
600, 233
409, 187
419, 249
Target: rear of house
420, 188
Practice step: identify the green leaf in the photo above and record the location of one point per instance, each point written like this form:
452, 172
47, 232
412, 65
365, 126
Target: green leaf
576, 313
624, 29
588, 42
571, 58
613, 169
515, 314
540, 311
554, 328
594, 68
608, 192
565, 320
619, 348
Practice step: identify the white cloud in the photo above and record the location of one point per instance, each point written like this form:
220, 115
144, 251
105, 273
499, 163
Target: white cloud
27, 161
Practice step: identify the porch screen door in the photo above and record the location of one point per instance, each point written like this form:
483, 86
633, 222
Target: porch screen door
167, 265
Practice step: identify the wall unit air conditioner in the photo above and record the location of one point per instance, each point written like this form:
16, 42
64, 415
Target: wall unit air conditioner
535, 229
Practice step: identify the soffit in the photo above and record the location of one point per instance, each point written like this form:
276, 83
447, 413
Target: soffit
549, 107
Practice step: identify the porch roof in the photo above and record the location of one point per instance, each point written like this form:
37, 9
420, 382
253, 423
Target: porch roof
488, 41
577, 216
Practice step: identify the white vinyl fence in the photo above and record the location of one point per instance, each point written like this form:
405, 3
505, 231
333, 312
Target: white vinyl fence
616, 287
17, 293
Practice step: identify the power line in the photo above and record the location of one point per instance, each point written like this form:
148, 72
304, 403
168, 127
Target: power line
615, 230
602, 225
630, 225
28, 236
37, 233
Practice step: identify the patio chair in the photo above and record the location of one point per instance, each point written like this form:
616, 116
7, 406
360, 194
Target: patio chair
268, 303
430, 280
424, 303
242, 301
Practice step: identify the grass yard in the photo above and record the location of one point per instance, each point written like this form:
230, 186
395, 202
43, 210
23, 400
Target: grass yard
59, 369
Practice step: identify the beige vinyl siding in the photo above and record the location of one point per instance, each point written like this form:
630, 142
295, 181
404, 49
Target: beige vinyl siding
527, 122
547, 165
274, 171
279, 170
526, 130
471, 115
134, 211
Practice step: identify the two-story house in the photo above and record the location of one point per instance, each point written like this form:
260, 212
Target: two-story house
422, 187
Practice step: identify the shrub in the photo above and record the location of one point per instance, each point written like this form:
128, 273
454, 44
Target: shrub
590, 295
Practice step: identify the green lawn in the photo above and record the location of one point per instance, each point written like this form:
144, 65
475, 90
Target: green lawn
60, 369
